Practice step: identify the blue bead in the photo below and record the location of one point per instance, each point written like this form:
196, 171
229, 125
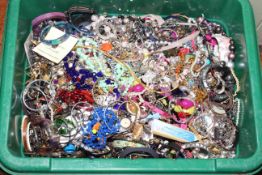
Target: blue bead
109, 125
94, 79
115, 90
82, 80
70, 54
66, 66
208, 61
116, 106
123, 107
152, 38
78, 86
74, 73
70, 148
99, 74
83, 71
86, 86
108, 81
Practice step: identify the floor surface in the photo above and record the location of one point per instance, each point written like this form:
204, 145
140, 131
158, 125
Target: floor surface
3, 5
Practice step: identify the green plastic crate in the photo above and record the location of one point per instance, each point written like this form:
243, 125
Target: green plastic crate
235, 15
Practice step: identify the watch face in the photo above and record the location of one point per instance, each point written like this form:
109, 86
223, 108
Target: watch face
125, 123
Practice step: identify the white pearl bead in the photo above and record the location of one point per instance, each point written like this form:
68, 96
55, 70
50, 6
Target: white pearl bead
77, 68
94, 17
119, 21
124, 44
107, 29
230, 64
126, 20
101, 18
86, 113
60, 72
123, 28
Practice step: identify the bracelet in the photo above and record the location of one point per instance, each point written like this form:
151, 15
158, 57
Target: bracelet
82, 19
147, 151
58, 40
45, 17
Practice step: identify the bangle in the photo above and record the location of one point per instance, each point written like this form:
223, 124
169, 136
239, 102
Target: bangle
45, 17
79, 17
147, 151
58, 40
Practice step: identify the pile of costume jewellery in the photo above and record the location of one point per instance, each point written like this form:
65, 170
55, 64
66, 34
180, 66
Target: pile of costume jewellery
129, 87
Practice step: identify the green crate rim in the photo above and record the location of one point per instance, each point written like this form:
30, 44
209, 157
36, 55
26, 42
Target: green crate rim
26, 165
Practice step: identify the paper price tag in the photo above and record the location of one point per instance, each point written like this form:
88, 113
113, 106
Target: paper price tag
58, 53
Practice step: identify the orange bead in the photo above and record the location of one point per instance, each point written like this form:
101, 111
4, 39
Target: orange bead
96, 126
106, 47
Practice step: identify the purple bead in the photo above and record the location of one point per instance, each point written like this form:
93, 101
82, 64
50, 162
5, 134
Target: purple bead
116, 106
86, 86
70, 54
78, 86
99, 74
84, 71
55, 81
116, 91
123, 107
108, 81
74, 79
83, 79
66, 65
94, 78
